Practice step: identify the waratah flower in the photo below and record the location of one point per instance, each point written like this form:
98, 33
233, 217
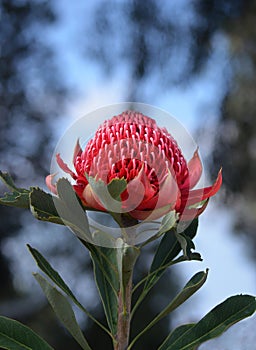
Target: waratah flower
131, 146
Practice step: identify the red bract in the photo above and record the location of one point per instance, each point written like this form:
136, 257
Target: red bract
133, 147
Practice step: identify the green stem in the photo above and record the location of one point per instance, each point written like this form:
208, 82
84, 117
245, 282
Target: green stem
126, 257
124, 319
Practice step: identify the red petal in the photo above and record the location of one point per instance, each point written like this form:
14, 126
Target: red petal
140, 192
90, 199
190, 214
168, 195
161, 203
195, 169
49, 184
64, 166
169, 191
151, 214
199, 195
136, 192
77, 151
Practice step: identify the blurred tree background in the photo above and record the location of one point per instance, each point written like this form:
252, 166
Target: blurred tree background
31, 95
155, 46
236, 134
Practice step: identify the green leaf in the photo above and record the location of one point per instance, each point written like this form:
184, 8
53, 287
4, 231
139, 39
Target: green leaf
190, 288
50, 272
177, 333
63, 310
103, 239
43, 207
168, 249
19, 197
109, 195
71, 211
16, 199
44, 265
7, 179
64, 210
186, 244
169, 220
107, 281
116, 187
193, 285
16, 336
217, 321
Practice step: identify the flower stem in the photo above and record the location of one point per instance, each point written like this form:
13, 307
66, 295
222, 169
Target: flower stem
126, 257
124, 318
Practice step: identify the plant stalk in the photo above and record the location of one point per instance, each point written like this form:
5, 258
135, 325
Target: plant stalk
124, 317
126, 257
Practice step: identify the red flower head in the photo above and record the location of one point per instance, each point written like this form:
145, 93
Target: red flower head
133, 147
